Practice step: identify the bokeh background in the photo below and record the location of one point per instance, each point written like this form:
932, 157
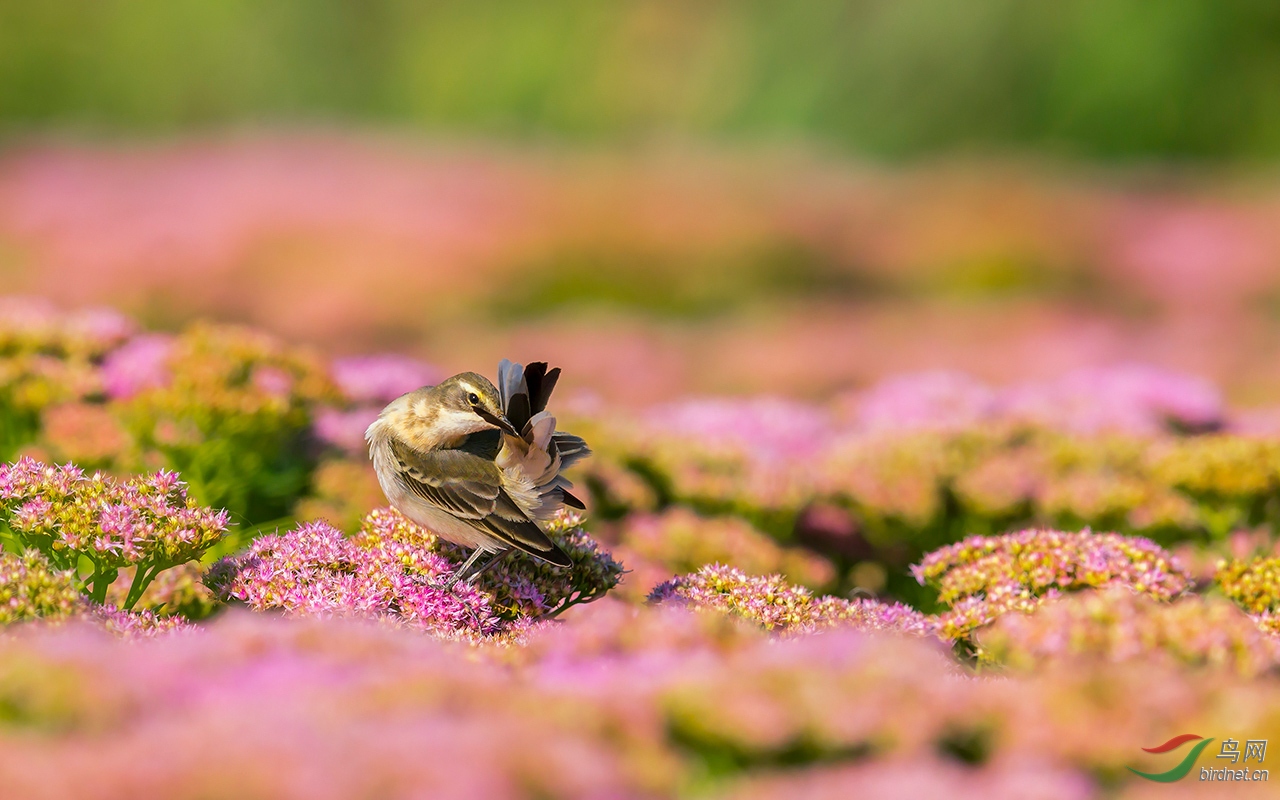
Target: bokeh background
665, 198
947, 328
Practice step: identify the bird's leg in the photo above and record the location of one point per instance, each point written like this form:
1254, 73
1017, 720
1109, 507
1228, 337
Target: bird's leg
462, 570
492, 561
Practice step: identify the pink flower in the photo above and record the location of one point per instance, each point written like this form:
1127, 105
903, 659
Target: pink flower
764, 428
926, 400
1129, 398
140, 364
777, 606
344, 429
382, 378
316, 570
982, 577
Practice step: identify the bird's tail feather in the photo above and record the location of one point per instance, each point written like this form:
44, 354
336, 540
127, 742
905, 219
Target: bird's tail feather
525, 390
536, 457
572, 449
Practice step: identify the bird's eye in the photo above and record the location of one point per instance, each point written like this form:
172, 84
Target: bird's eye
473, 398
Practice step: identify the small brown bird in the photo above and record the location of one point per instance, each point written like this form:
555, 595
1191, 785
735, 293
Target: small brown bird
479, 466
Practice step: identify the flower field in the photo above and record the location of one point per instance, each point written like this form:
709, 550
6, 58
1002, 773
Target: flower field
928, 586
925, 354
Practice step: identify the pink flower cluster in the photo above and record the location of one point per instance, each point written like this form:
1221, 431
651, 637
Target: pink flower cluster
767, 428
652, 702
1130, 398
936, 400
983, 577
30, 589
146, 522
393, 569
655, 546
1118, 624
1255, 586
528, 586
316, 570
141, 624
213, 370
778, 606
30, 324
1134, 399
141, 363
895, 456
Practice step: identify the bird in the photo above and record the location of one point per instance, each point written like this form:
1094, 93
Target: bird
480, 466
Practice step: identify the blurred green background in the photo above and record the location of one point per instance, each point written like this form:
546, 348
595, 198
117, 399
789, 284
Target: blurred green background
1120, 79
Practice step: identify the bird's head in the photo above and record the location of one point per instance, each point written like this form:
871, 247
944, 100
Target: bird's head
470, 399
443, 415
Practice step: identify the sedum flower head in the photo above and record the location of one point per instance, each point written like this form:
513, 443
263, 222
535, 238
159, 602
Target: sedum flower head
982, 577
539, 589
214, 371
143, 624
778, 606
85, 433
315, 570
896, 478
30, 588
1000, 485
518, 585
33, 325
764, 429
1254, 585
141, 363
48, 357
67, 515
1219, 466
752, 455
29, 382
1116, 624
678, 540
392, 569
937, 400
232, 409
1129, 398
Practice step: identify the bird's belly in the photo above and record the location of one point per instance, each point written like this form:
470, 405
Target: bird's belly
445, 525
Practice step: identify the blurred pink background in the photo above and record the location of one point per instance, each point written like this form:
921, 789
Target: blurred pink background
665, 272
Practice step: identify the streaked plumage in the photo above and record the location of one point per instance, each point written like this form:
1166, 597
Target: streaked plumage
479, 465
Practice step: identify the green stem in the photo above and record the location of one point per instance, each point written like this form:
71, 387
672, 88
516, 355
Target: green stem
142, 578
100, 584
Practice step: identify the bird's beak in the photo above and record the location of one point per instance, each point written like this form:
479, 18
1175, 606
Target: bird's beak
499, 422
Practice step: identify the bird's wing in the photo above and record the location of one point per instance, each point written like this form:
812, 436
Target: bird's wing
470, 488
